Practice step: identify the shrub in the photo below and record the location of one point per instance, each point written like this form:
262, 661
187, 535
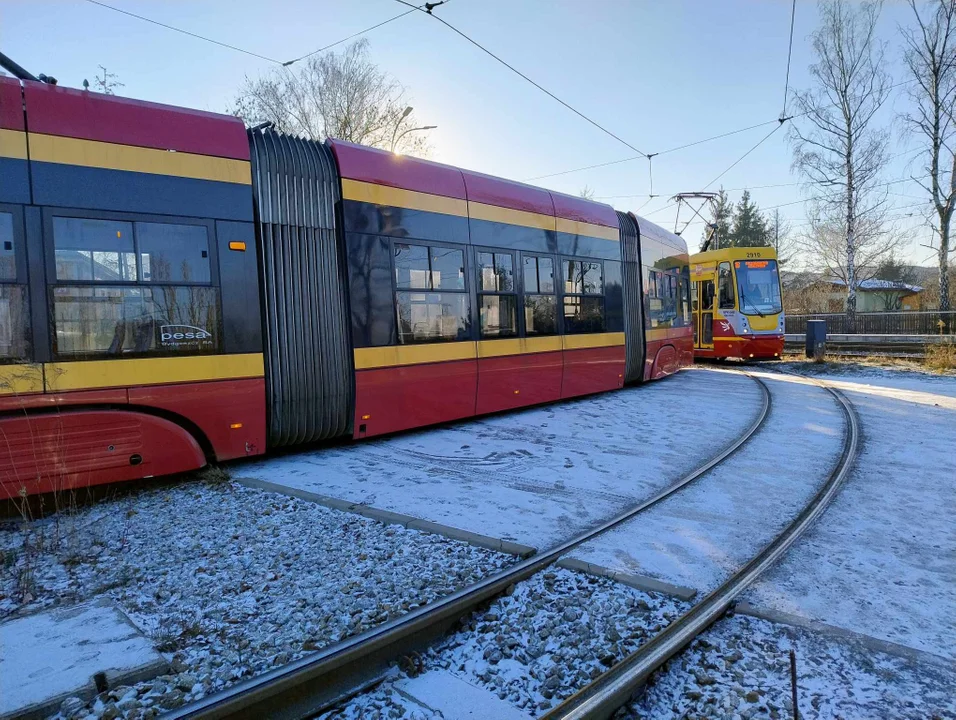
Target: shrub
941, 357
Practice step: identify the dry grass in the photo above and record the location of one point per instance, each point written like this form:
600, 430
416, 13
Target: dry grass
941, 358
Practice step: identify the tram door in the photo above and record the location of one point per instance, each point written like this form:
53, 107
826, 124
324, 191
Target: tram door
704, 314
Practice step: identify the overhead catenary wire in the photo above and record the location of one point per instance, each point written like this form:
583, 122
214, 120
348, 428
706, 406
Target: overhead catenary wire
184, 32
525, 77
236, 48
786, 85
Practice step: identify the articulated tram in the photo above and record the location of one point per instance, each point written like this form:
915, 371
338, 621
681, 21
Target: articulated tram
737, 304
175, 289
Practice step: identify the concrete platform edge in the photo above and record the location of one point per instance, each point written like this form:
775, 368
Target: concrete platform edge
393, 518
867, 641
639, 582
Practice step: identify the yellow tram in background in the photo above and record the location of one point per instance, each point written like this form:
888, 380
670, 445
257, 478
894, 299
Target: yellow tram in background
737, 304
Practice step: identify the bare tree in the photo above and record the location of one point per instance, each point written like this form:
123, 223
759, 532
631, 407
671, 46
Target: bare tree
838, 147
930, 56
344, 96
107, 83
782, 238
586, 192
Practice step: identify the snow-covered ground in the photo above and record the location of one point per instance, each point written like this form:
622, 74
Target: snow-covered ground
560, 629
882, 560
535, 647
228, 582
703, 534
740, 669
538, 476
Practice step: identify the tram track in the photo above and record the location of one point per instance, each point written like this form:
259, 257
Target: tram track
312, 684
614, 688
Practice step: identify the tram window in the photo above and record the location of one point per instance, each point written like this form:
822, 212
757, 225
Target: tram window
582, 277
583, 314
725, 287
538, 274
448, 268
173, 253
432, 316
495, 272
540, 317
418, 267
94, 250
8, 257
98, 319
497, 315
14, 323
540, 304
411, 267
497, 302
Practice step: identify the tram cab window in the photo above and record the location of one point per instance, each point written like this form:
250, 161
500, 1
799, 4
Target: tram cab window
430, 298
540, 303
583, 296
725, 287
497, 306
14, 314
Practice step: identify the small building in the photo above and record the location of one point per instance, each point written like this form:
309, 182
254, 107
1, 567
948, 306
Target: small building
806, 293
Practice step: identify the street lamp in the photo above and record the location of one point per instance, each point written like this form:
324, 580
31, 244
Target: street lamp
405, 114
405, 132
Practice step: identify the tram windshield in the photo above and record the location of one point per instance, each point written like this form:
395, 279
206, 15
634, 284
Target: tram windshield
758, 287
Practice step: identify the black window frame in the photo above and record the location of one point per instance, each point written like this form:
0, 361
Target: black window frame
480, 291
733, 287
590, 296
20, 279
555, 294
467, 291
52, 282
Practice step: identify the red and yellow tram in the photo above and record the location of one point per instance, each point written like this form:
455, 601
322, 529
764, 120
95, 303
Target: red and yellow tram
175, 290
738, 310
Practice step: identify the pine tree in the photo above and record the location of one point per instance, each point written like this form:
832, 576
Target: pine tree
722, 216
750, 227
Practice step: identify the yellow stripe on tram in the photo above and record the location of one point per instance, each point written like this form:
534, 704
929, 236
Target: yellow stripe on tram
91, 374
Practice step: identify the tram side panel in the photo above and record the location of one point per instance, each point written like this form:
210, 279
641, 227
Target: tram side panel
122, 244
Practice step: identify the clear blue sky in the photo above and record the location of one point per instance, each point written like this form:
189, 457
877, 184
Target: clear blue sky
658, 74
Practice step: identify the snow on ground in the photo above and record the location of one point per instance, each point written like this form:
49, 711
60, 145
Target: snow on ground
740, 669
561, 628
882, 560
535, 647
227, 581
538, 476
700, 536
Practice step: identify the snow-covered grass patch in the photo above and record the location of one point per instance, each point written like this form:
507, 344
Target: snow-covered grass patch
228, 581
740, 669
535, 647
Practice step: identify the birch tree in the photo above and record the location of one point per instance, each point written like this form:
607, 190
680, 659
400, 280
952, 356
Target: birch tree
838, 146
930, 56
344, 96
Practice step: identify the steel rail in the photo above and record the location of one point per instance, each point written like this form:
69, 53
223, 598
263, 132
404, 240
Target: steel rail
310, 685
610, 691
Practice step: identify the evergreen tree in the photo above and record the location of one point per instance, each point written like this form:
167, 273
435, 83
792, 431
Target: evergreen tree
750, 227
722, 217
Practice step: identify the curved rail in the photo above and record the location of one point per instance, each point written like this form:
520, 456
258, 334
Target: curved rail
309, 685
603, 697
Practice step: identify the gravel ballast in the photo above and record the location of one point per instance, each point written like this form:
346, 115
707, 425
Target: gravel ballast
535, 646
740, 669
226, 581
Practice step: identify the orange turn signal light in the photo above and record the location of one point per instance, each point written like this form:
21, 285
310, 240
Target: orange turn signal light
237, 245
235, 426
366, 417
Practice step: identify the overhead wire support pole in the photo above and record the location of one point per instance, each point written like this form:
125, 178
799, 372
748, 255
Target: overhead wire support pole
522, 75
